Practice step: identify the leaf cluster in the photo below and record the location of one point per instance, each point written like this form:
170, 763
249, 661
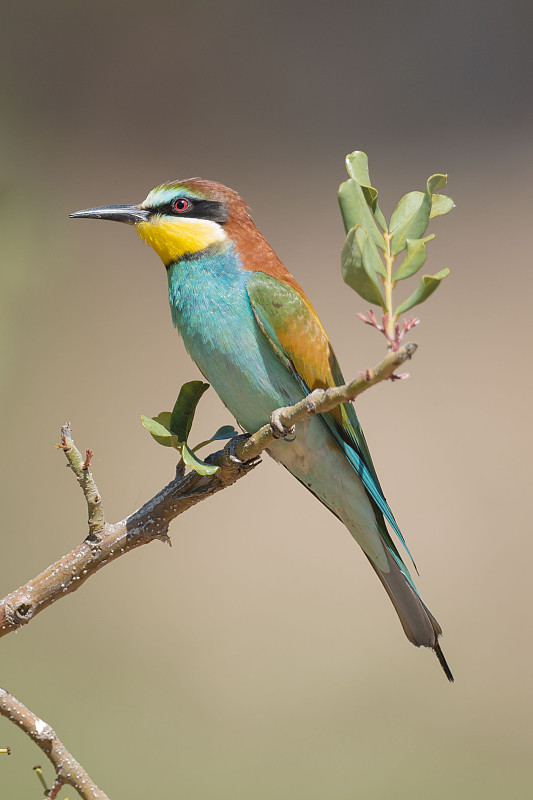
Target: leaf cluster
172, 428
373, 245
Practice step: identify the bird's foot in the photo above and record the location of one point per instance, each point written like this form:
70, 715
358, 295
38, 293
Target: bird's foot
231, 454
279, 430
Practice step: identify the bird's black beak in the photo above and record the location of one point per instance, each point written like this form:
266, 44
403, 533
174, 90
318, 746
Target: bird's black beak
130, 214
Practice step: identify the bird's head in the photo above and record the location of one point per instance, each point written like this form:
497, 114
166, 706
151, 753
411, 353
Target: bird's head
181, 218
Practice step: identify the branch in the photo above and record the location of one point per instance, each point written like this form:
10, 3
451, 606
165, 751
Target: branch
107, 542
322, 400
143, 526
80, 468
68, 770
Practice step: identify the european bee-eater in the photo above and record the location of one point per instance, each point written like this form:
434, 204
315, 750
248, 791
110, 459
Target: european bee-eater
256, 338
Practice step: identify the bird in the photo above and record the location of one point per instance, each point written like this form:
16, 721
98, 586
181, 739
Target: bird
258, 341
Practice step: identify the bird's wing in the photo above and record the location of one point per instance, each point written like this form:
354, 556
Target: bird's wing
292, 327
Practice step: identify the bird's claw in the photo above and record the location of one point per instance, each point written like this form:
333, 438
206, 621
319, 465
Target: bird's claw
279, 430
231, 454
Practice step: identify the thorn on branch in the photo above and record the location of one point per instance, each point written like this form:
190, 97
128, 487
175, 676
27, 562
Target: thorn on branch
88, 459
401, 377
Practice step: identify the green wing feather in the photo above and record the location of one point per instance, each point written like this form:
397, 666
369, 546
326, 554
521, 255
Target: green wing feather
294, 331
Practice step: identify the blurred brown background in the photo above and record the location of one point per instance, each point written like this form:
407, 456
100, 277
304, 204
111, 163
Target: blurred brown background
259, 657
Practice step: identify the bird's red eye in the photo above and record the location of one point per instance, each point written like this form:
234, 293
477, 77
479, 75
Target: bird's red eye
181, 205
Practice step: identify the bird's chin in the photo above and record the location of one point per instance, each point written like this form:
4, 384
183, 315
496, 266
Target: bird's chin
173, 237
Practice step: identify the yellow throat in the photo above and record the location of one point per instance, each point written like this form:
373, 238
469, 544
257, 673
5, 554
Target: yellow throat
173, 237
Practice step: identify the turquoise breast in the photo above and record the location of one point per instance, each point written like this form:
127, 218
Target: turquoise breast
211, 309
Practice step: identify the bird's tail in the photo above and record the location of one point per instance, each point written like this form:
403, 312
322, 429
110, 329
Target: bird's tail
419, 624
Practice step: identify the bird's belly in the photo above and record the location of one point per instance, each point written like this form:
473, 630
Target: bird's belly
316, 460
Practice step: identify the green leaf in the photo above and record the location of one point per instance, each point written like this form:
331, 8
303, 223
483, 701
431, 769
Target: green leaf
426, 287
355, 211
354, 268
185, 407
411, 216
407, 206
225, 432
380, 218
158, 427
372, 261
159, 431
441, 205
415, 258
163, 418
199, 466
357, 168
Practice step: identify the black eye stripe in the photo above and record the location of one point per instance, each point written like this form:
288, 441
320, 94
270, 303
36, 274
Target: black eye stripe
197, 209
